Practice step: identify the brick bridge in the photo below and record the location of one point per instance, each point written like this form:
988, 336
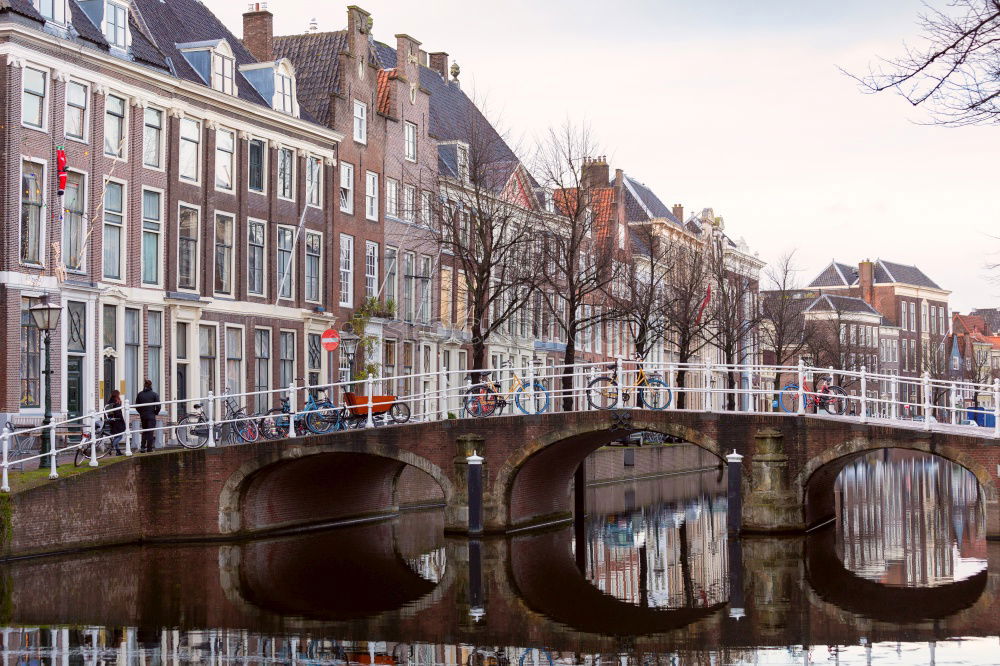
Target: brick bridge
361, 583
789, 469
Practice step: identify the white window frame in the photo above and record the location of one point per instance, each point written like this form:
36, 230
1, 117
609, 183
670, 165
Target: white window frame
182, 141
159, 237
426, 207
242, 377
263, 167
120, 31
220, 80
85, 125
371, 196
84, 194
161, 144
391, 197
410, 141
219, 132
46, 96
282, 150
291, 263
360, 122
346, 272
281, 359
123, 234
409, 202
318, 298
123, 119
232, 253
346, 176
196, 261
263, 269
42, 226
371, 269
59, 11
314, 181
284, 93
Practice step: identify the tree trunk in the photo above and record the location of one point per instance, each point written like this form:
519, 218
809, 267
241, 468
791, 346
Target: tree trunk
569, 358
679, 388
478, 351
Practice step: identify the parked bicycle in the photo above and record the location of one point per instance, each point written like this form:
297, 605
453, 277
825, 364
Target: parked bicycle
102, 444
192, 431
827, 396
487, 397
605, 392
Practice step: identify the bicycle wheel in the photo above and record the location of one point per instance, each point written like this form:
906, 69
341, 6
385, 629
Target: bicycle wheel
399, 412
82, 455
192, 431
530, 403
603, 393
835, 402
245, 427
274, 424
655, 394
322, 420
788, 399
480, 402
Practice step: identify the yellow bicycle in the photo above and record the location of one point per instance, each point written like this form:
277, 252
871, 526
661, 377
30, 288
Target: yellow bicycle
605, 392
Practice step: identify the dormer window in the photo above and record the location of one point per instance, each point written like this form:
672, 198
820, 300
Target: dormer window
223, 75
115, 24
283, 93
52, 10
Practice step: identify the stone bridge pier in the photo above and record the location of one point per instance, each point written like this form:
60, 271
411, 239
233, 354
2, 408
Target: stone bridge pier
788, 471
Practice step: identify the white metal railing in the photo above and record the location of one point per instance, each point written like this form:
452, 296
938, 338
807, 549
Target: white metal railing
920, 402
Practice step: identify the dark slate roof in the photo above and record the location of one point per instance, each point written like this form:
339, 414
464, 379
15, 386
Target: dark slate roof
86, 28
185, 21
835, 275
834, 303
22, 7
886, 272
317, 67
642, 204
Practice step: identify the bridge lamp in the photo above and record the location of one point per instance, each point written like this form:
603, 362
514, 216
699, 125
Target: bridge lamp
349, 347
46, 318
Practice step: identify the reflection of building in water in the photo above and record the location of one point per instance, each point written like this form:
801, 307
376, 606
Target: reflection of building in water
429, 566
909, 519
666, 555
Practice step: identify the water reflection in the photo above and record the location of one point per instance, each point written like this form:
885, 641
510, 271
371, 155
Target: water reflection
909, 519
900, 573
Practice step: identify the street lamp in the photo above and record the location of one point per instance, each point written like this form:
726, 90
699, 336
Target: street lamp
46, 318
349, 347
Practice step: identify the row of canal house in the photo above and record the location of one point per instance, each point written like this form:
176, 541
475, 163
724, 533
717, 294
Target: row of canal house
228, 200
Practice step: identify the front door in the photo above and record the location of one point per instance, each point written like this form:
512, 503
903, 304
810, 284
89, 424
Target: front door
74, 386
109, 377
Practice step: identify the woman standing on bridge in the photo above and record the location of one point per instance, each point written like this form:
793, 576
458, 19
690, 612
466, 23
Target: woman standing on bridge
115, 419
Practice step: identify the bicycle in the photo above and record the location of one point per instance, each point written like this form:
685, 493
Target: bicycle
486, 398
322, 416
828, 396
102, 445
192, 431
605, 391
276, 424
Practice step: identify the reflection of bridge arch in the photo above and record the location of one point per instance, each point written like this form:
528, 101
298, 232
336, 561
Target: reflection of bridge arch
533, 483
819, 474
545, 577
293, 486
835, 584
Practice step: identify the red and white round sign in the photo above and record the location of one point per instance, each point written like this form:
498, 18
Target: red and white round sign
330, 339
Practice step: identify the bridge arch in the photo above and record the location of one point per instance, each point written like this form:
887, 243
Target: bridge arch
298, 485
819, 474
532, 485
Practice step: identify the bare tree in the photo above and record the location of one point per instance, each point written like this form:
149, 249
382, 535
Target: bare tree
581, 260
686, 319
783, 330
644, 299
954, 72
837, 337
735, 315
483, 229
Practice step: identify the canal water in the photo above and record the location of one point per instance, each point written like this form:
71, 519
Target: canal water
899, 577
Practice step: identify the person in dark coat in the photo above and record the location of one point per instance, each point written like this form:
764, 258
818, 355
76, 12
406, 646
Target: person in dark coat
115, 419
147, 403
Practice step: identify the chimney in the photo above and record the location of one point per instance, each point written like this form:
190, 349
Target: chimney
258, 32
439, 63
408, 58
595, 172
678, 212
866, 280
359, 26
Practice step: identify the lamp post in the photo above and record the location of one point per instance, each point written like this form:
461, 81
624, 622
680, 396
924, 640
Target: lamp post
349, 347
46, 318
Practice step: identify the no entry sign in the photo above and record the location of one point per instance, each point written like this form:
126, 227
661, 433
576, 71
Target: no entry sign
330, 339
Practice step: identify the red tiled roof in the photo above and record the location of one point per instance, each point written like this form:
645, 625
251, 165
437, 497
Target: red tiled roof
385, 89
971, 323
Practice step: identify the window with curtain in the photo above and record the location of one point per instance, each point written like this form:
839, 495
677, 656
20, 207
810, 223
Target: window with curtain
133, 346
31, 345
114, 223
76, 110
286, 358
225, 159
34, 84
255, 258
152, 216
187, 248
262, 364
114, 126
314, 255
32, 182
190, 150
234, 360
286, 241
154, 349
224, 230
286, 173
207, 357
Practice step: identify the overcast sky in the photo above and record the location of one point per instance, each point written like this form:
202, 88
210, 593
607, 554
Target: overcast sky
734, 105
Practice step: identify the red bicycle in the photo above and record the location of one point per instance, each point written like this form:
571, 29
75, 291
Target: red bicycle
827, 396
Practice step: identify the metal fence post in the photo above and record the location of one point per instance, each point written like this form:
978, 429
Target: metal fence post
708, 386
864, 395
370, 423
801, 408
996, 409
954, 404
670, 387
93, 442
128, 426
210, 415
926, 382
53, 472
531, 385
5, 484
894, 397
442, 393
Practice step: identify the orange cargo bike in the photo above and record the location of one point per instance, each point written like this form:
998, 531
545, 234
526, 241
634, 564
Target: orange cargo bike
384, 408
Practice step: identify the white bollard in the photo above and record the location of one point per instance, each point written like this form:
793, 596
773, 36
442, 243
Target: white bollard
5, 484
801, 408
531, 385
128, 426
370, 423
864, 395
210, 416
926, 381
93, 442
